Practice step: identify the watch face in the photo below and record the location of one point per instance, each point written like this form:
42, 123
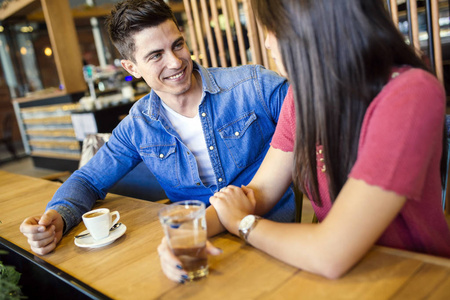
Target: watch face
247, 222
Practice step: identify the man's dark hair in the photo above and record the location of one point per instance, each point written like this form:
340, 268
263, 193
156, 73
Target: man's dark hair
131, 16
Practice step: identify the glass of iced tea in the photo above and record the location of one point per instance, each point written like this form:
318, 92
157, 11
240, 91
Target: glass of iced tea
184, 225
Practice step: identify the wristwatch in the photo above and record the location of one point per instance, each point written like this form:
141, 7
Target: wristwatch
247, 224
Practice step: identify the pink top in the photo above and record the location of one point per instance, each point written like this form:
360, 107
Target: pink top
399, 150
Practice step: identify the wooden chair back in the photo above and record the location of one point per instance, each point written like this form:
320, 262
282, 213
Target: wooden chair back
433, 30
224, 33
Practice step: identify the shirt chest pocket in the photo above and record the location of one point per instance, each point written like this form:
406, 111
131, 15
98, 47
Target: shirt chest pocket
244, 139
163, 162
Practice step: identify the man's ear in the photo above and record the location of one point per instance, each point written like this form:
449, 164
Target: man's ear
130, 67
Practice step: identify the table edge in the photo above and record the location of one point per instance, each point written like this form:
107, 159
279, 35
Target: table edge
54, 271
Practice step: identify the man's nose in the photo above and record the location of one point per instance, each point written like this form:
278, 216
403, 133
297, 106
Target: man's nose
174, 62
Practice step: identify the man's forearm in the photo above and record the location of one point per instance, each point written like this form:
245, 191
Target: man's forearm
212, 222
71, 200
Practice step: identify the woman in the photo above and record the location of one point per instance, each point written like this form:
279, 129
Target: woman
360, 132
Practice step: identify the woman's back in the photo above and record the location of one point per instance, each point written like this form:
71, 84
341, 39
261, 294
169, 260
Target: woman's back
399, 150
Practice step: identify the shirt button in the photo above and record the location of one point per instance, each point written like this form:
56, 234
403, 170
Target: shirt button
188, 153
198, 183
220, 179
236, 133
211, 148
203, 114
161, 155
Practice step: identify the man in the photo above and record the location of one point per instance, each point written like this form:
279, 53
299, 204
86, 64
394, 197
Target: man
198, 130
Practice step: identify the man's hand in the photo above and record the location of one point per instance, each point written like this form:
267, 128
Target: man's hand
43, 232
232, 204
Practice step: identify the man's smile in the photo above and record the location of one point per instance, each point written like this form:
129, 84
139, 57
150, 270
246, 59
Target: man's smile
177, 76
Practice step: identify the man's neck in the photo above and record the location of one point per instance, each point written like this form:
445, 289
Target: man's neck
187, 103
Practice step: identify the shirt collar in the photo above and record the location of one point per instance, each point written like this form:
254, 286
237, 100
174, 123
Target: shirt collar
208, 83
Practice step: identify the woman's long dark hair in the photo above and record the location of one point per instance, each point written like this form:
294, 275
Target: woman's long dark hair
338, 55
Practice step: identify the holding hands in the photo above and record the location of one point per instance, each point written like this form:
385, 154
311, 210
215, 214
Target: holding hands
232, 204
43, 232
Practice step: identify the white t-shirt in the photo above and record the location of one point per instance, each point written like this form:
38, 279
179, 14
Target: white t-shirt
191, 133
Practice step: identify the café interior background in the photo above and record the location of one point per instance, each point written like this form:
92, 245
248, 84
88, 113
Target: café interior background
30, 73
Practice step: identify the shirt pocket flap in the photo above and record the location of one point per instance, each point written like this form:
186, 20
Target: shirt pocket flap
237, 128
158, 151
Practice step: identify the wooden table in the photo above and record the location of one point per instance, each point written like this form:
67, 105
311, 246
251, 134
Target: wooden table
129, 268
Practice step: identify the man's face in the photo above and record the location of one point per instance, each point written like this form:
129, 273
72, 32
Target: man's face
162, 59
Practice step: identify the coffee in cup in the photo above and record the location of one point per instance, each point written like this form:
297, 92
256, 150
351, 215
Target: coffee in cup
99, 221
94, 214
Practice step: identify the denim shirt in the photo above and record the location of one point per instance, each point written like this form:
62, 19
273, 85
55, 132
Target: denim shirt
238, 111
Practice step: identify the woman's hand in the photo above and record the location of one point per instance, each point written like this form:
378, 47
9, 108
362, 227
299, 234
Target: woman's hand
232, 204
172, 266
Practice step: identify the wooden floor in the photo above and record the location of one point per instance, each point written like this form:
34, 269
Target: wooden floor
24, 166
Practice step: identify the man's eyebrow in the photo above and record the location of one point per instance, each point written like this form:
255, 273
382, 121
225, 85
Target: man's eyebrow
151, 53
180, 39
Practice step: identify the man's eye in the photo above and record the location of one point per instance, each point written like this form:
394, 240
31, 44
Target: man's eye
155, 56
179, 46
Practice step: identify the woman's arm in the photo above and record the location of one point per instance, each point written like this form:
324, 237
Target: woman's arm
272, 179
264, 191
359, 216
269, 184
213, 225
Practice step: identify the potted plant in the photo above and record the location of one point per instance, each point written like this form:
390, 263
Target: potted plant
9, 281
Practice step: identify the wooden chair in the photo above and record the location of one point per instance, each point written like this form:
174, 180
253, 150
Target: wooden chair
138, 183
433, 30
217, 37
300, 198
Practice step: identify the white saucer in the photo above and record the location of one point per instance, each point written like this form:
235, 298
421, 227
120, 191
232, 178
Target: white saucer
89, 241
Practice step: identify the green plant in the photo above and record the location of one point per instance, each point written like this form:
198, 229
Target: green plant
9, 282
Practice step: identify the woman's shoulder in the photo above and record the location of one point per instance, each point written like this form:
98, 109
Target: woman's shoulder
411, 87
414, 79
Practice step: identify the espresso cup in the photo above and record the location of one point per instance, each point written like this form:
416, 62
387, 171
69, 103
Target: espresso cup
99, 221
